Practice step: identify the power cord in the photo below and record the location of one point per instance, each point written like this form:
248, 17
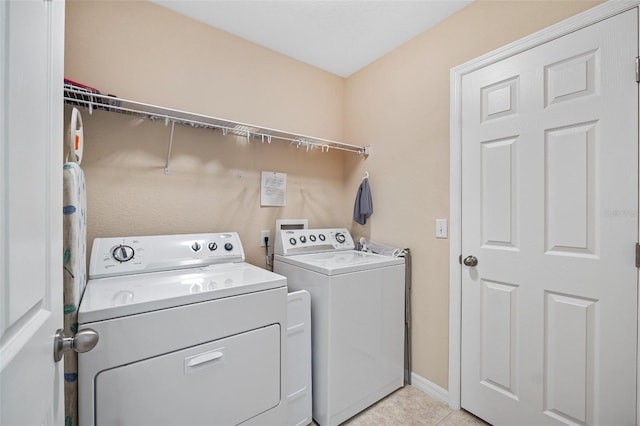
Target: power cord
267, 257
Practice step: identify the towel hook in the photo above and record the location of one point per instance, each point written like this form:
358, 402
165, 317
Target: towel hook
366, 175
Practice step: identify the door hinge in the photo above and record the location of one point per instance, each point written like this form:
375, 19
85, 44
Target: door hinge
637, 69
460, 259
637, 255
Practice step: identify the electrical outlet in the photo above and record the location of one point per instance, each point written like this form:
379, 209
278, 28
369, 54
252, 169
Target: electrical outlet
441, 228
263, 235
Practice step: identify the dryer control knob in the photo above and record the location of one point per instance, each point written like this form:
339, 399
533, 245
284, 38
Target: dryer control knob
312, 238
340, 237
303, 239
292, 241
321, 236
228, 246
196, 246
213, 246
123, 253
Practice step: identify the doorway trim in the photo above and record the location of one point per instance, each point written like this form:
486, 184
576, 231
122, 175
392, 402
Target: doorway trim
579, 21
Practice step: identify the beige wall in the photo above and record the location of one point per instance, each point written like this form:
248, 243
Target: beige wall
399, 105
141, 51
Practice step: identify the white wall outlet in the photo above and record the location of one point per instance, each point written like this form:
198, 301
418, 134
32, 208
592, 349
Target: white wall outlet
266, 234
441, 228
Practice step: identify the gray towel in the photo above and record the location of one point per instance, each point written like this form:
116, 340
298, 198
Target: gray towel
363, 207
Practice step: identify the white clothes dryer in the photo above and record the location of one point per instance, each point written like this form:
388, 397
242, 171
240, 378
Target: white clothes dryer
188, 334
357, 318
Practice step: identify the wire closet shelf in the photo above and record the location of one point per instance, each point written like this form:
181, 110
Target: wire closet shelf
79, 96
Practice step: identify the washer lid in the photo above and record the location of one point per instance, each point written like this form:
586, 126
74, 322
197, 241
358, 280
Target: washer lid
113, 297
341, 262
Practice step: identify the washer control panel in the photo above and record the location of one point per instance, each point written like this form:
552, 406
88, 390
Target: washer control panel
131, 255
298, 241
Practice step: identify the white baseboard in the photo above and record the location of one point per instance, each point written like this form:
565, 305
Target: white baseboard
430, 388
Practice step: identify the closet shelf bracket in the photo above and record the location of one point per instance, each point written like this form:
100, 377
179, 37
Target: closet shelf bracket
166, 165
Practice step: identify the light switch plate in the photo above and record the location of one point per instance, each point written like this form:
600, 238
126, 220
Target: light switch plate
441, 228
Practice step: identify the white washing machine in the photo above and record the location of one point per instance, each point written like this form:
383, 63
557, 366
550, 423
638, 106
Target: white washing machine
357, 318
189, 334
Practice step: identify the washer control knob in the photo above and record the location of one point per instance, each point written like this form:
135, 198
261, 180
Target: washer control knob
312, 238
228, 246
340, 237
292, 241
196, 246
213, 246
123, 253
303, 239
321, 236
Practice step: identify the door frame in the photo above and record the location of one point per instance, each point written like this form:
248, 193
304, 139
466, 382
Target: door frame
579, 21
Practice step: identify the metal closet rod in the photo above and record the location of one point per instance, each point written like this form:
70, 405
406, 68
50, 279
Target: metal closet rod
78, 96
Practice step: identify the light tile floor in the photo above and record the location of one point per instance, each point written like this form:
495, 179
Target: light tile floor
410, 406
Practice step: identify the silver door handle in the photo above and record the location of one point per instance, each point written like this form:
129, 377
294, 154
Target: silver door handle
83, 341
470, 261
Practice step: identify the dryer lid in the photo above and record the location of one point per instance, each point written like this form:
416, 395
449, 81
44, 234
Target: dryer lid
113, 297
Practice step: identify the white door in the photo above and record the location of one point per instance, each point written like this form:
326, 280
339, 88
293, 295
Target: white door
31, 131
550, 211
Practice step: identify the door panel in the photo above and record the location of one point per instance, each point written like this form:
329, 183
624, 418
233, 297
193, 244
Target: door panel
549, 208
570, 169
498, 330
499, 209
569, 356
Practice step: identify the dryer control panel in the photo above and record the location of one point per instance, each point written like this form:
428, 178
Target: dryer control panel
300, 241
132, 255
